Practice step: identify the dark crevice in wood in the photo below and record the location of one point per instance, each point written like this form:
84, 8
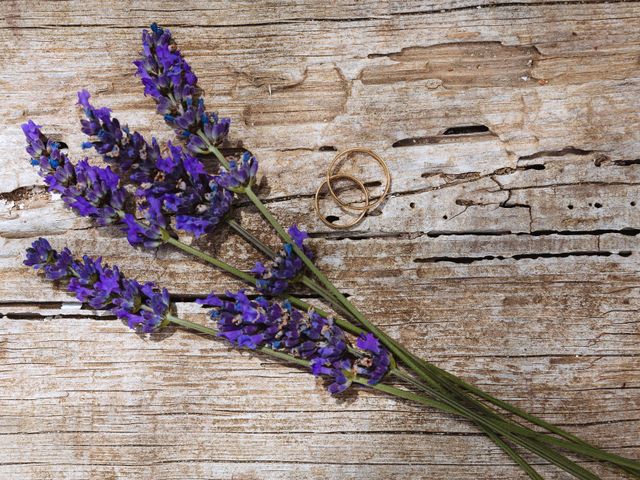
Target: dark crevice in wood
354, 235
453, 134
521, 256
626, 163
505, 5
303, 20
466, 130
557, 153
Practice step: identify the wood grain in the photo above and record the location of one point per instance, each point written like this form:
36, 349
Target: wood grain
507, 251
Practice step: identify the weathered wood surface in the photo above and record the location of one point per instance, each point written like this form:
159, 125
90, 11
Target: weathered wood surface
509, 256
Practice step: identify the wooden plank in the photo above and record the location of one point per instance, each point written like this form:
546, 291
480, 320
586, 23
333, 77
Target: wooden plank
507, 254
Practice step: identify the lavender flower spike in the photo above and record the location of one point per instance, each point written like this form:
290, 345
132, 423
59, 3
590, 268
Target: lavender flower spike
274, 277
143, 306
128, 153
177, 183
90, 191
277, 325
185, 190
240, 174
168, 78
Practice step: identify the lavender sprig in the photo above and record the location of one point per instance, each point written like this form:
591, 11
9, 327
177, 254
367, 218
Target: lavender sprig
168, 78
275, 277
238, 175
143, 306
260, 323
90, 191
128, 153
176, 182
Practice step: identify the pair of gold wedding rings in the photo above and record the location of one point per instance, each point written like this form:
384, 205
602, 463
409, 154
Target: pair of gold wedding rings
366, 204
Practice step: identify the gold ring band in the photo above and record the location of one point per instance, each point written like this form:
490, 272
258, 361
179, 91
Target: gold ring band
331, 175
328, 182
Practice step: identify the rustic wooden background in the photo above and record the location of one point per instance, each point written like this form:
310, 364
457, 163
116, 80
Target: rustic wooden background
507, 251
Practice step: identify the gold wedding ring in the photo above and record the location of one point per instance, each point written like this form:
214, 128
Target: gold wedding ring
327, 182
373, 155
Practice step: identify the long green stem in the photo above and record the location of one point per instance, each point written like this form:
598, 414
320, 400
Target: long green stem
251, 239
212, 260
251, 280
630, 466
544, 452
529, 470
493, 436
411, 361
401, 353
540, 437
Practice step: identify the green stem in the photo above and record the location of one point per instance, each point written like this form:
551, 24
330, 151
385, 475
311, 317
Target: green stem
251, 280
504, 430
216, 152
251, 239
543, 452
212, 260
304, 280
514, 428
314, 287
529, 470
407, 358
494, 437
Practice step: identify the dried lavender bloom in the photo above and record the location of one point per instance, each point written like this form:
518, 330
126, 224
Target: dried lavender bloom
168, 78
143, 306
277, 325
185, 190
274, 277
240, 174
375, 364
128, 153
90, 191
177, 181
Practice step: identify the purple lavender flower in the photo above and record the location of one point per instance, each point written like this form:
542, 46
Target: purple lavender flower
144, 307
375, 361
185, 190
149, 235
91, 191
41, 256
277, 325
44, 153
168, 78
239, 175
95, 193
128, 153
274, 277
177, 181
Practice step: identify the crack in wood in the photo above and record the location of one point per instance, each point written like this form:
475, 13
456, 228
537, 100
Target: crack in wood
521, 256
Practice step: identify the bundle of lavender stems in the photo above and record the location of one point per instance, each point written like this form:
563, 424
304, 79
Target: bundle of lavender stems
153, 194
